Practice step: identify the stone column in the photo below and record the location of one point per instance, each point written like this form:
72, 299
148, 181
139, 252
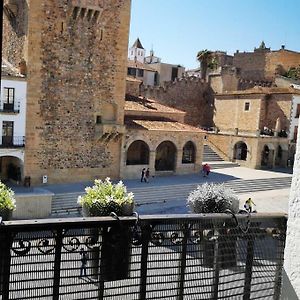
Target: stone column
291, 282
152, 155
178, 160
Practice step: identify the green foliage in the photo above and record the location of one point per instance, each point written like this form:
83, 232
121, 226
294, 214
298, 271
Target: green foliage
105, 197
7, 199
212, 198
293, 73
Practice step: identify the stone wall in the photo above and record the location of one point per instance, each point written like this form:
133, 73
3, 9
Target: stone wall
133, 86
224, 144
15, 31
282, 59
231, 114
251, 65
76, 71
191, 95
153, 139
265, 64
275, 106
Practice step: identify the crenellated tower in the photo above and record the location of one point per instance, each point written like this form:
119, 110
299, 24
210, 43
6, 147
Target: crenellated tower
75, 55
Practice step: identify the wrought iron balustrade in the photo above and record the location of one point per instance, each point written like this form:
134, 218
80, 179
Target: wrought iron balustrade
10, 107
214, 256
12, 141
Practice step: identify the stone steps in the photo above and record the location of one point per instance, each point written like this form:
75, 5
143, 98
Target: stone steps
66, 204
210, 155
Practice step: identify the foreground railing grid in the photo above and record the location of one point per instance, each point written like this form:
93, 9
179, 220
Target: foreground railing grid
156, 257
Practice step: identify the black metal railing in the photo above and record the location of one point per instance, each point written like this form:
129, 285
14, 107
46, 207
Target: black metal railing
155, 257
12, 141
10, 107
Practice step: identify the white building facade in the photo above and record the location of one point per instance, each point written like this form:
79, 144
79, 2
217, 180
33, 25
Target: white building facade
13, 123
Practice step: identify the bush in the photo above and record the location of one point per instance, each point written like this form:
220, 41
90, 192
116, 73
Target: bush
105, 197
212, 198
7, 199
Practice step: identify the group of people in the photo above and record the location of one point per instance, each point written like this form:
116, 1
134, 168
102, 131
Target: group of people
145, 175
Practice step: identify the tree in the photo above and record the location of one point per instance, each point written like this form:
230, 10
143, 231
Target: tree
206, 59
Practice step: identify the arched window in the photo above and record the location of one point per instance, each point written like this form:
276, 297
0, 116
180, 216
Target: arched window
240, 151
138, 153
188, 154
165, 156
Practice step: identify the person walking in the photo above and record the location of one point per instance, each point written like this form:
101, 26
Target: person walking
147, 175
83, 260
143, 175
206, 170
249, 205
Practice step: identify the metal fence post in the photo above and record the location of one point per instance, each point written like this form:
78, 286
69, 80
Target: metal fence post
248, 271
182, 262
5, 261
146, 234
57, 261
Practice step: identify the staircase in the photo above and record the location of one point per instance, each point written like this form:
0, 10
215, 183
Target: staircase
66, 204
214, 160
210, 155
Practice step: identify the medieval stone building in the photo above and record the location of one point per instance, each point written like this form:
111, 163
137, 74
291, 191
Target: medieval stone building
74, 53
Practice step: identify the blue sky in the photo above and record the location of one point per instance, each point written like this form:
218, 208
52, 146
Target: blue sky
178, 29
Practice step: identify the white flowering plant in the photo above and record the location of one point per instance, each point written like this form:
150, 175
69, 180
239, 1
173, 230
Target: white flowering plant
7, 201
105, 197
212, 198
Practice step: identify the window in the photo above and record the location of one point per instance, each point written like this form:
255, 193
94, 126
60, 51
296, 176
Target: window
247, 106
98, 120
131, 71
9, 99
297, 111
7, 133
138, 153
188, 155
174, 73
140, 73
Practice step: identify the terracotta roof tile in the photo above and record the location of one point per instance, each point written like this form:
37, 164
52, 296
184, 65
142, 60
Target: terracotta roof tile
145, 104
160, 126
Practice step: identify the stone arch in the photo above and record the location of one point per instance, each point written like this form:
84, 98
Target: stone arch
189, 153
138, 153
267, 155
240, 151
11, 168
165, 158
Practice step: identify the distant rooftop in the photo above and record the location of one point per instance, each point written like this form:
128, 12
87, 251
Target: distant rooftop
137, 44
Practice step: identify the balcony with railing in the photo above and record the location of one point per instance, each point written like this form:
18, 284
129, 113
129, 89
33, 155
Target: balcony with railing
12, 141
216, 256
12, 108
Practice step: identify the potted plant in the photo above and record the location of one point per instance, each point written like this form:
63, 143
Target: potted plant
102, 199
215, 198
7, 206
7, 202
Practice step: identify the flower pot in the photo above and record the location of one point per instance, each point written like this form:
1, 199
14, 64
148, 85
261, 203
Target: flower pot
115, 252
6, 214
115, 249
127, 209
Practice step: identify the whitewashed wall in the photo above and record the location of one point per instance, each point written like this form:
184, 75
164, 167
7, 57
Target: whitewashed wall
19, 119
291, 284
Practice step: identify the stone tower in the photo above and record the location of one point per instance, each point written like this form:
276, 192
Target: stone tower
75, 52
